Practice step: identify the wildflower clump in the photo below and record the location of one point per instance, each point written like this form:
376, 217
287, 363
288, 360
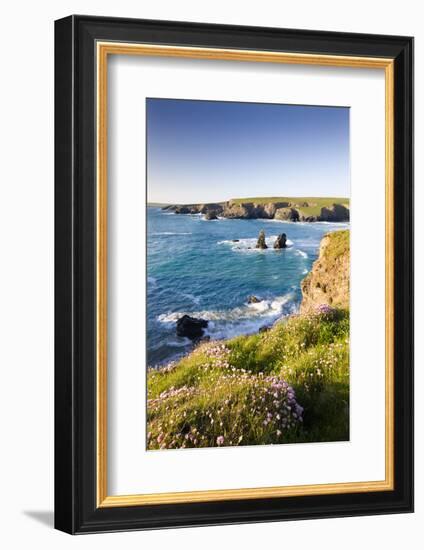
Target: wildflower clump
226, 409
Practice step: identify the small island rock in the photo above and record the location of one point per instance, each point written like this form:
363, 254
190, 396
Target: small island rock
253, 299
281, 241
191, 327
211, 215
261, 240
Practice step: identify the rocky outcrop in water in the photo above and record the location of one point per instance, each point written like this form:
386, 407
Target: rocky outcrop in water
328, 281
261, 240
191, 327
213, 207
280, 241
253, 299
290, 210
211, 215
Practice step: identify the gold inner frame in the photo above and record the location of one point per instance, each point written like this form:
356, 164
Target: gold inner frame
104, 49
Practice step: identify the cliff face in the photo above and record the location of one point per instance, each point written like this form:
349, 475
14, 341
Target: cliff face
290, 210
328, 281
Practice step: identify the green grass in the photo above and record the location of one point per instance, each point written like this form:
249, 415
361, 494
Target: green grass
231, 392
339, 245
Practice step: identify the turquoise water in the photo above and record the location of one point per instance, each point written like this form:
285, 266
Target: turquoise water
194, 267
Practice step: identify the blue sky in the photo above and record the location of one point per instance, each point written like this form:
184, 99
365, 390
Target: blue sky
205, 151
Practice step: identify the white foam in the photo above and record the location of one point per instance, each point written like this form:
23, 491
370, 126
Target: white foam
249, 245
192, 297
301, 253
181, 343
262, 309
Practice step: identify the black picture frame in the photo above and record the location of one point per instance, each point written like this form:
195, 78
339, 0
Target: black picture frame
76, 510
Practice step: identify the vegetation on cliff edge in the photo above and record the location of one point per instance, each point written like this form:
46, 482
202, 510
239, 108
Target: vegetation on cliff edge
287, 385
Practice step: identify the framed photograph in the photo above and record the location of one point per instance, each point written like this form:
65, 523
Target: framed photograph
234, 274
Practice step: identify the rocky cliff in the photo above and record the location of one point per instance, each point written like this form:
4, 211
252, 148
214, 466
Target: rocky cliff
328, 281
298, 209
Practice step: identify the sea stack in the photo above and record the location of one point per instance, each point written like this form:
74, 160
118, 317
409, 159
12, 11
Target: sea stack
281, 241
191, 327
261, 240
211, 215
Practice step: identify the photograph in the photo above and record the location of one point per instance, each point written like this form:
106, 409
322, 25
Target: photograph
248, 273
233, 269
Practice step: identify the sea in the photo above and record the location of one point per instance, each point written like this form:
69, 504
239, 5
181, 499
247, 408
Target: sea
208, 269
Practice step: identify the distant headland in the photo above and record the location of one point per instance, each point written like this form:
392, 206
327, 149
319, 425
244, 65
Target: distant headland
293, 209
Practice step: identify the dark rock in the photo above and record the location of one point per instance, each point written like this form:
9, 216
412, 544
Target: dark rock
253, 299
215, 207
190, 327
182, 210
211, 215
235, 240
281, 241
187, 209
265, 328
261, 240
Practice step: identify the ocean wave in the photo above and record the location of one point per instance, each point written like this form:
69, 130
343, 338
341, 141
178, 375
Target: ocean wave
192, 297
177, 342
301, 253
249, 245
152, 281
335, 224
245, 319
262, 308
273, 220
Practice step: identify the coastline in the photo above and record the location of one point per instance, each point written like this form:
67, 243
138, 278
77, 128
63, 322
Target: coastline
294, 209
240, 270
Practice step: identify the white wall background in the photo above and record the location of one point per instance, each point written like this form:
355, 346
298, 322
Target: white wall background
26, 272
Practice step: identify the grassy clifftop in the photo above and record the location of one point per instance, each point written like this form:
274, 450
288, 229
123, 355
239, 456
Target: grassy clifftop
309, 206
